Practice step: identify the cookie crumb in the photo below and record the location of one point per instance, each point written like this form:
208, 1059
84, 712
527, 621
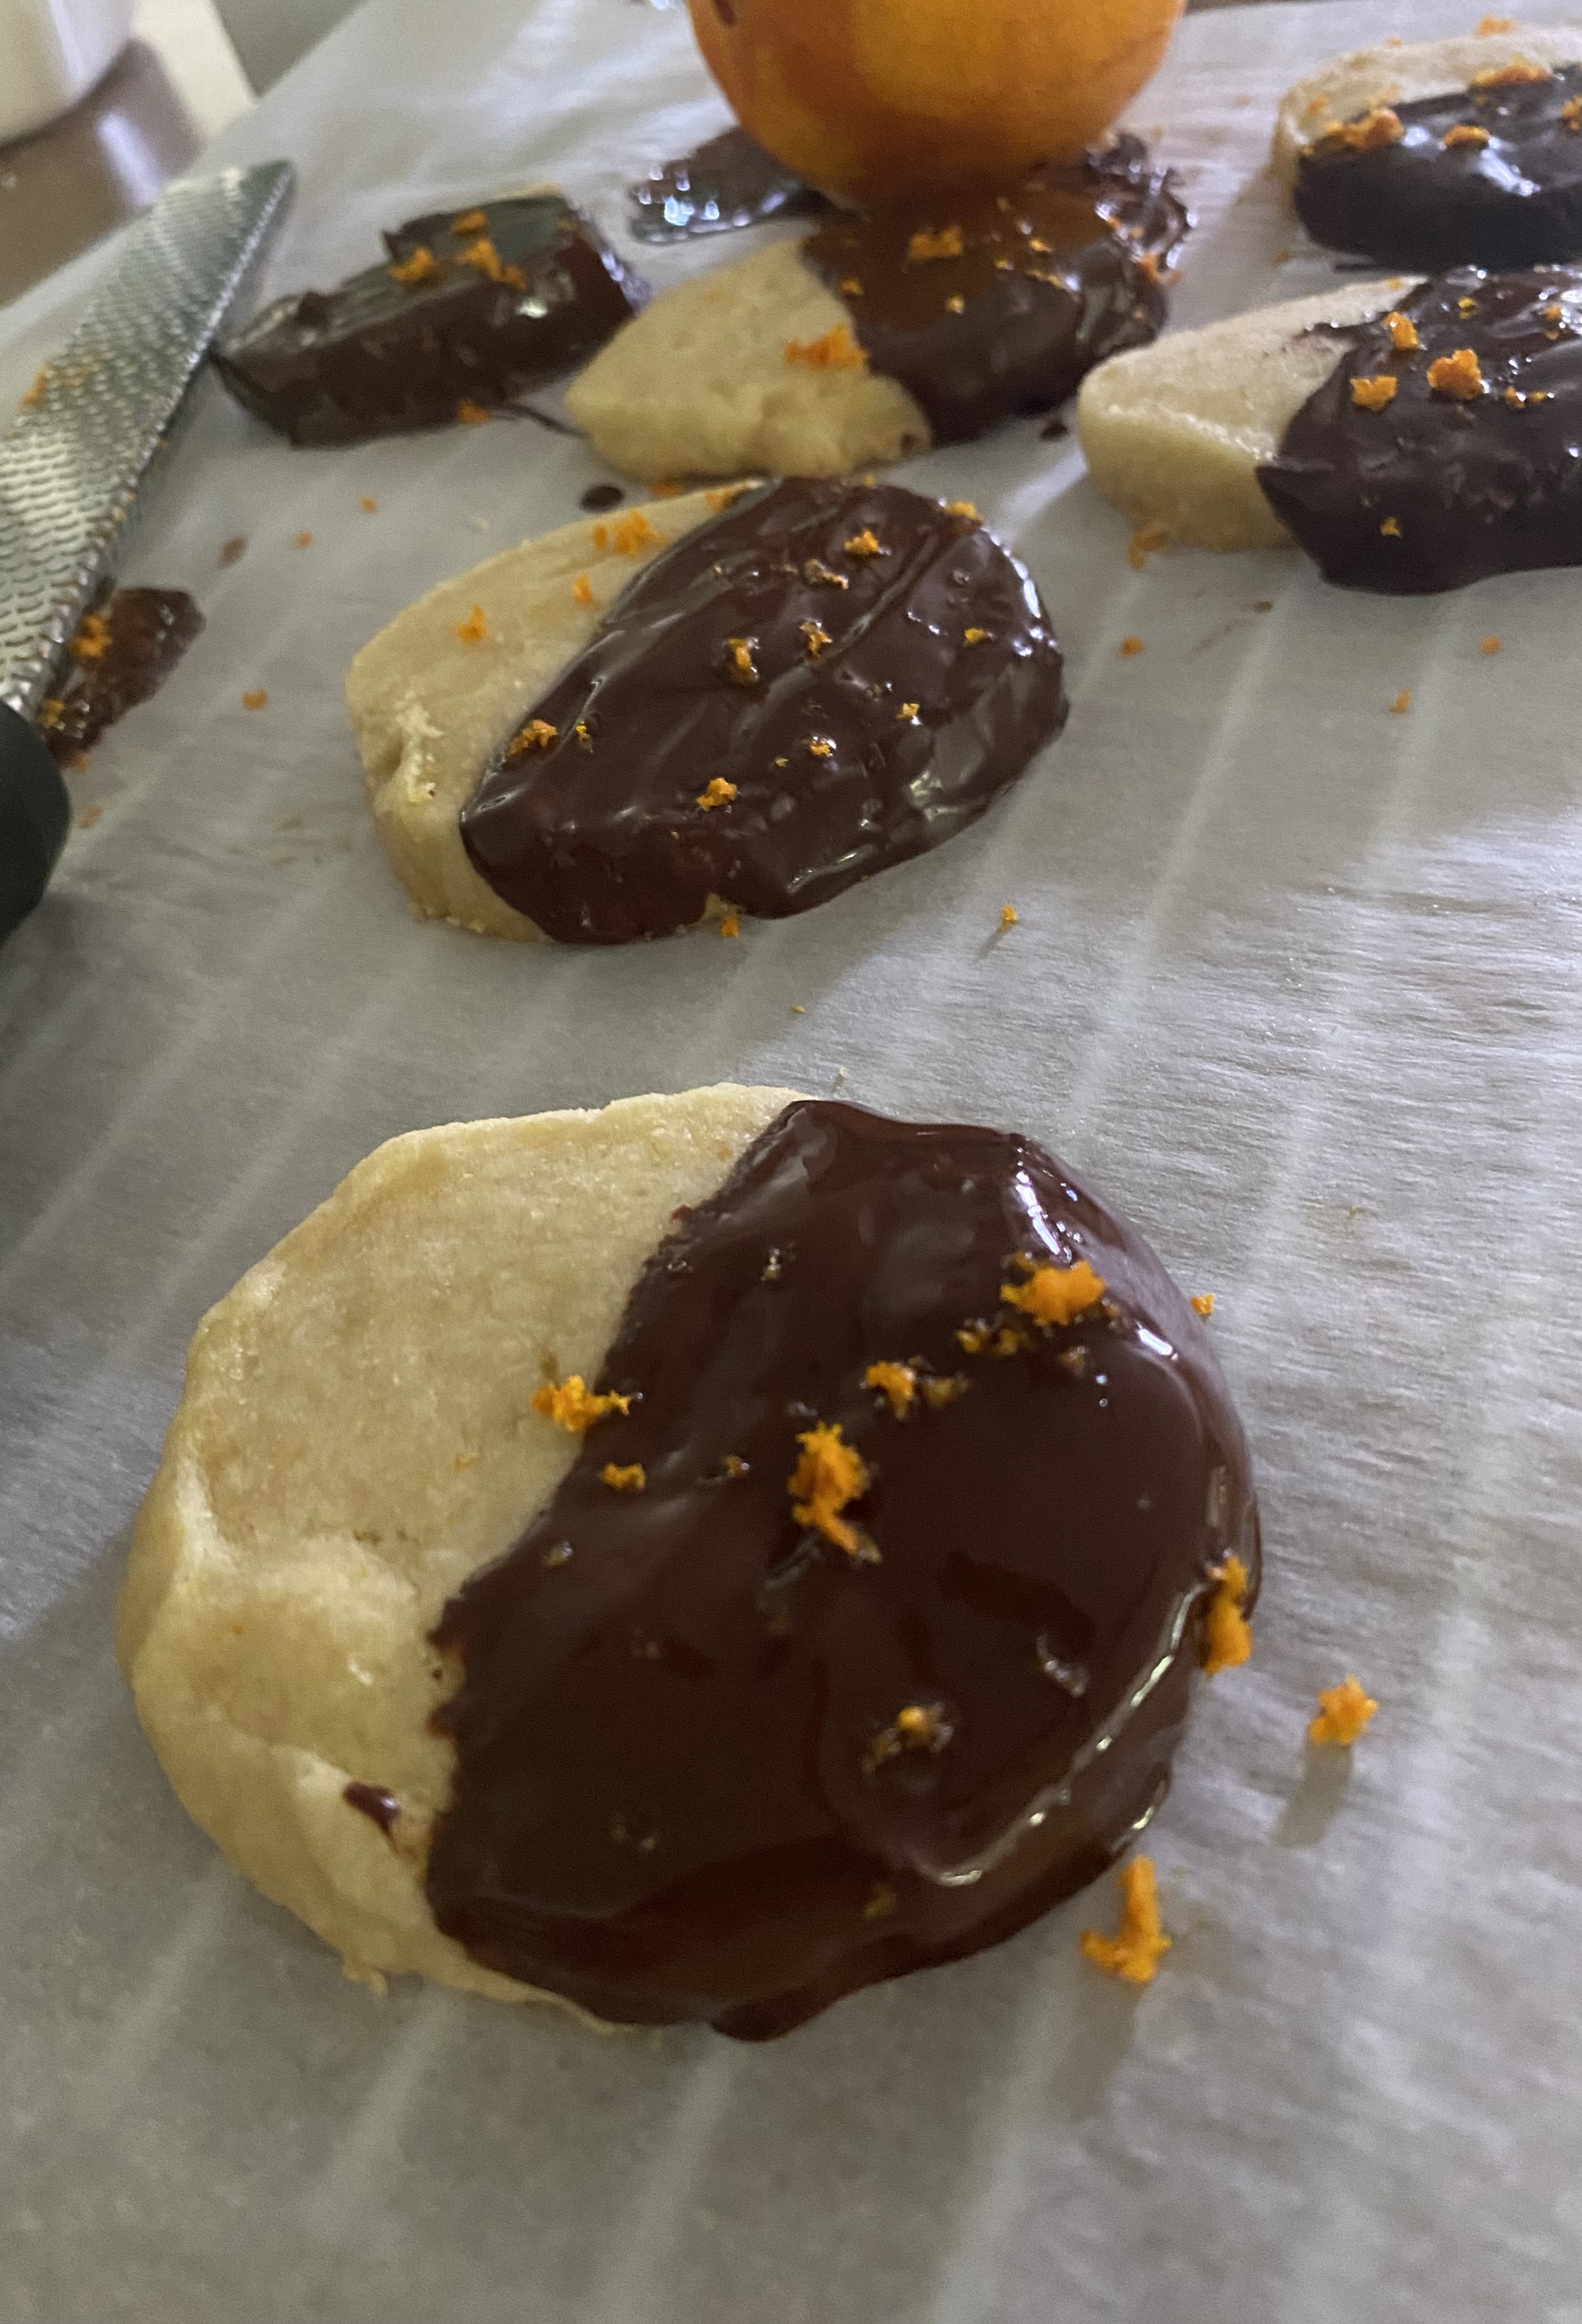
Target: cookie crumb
837, 350
255, 698
829, 1475
581, 592
1344, 1710
798, 1009
1201, 1302
731, 926
1402, 703
630, 1478
1373, 394
1138, 1945
1456, 375
34, 394
896, 1383
718, 792
1491, 644
572, 1405
1130, 646
1227, 1638
474, 629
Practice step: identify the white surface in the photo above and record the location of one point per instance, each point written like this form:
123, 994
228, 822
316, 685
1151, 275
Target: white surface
1296, 982
192, 45
52, 53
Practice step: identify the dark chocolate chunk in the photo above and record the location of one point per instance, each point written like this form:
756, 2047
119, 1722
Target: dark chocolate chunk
1471, 467
119, 656
474, 308
597, 498
1488, 176
729, 181
380, 1807
830, 677
717, 1765
1023, 292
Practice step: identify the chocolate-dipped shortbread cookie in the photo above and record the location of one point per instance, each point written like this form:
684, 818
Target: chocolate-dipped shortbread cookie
690, 1560
881, 334
743, 701
1412, 438
472, 307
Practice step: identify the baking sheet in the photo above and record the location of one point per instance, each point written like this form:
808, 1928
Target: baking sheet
1295, 981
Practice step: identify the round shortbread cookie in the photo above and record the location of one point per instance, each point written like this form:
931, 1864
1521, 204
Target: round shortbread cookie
430, 700
1353, 85
1173, 434
699, 383
356, 1438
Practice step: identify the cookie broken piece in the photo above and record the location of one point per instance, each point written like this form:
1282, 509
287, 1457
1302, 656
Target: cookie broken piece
931, 330
773, 642
656, 1752
1484, 175
1248, 433
473, 307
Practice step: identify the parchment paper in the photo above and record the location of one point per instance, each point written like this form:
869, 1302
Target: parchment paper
1295, 981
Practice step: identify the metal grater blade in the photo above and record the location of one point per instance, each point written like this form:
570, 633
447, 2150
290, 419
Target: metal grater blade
104, 408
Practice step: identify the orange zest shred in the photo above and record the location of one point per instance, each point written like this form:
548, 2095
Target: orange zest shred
820, 748
916, 1726
581, 592
303, 540
973, 637
1130, 646
938, 1390
1402, 704
1511, 76
1227, 1637
473, 415
1344, 1710
1486, 24
866, 543
411, 271
921, 246
731, 926
631, 1479
1145, 542
816, 638
1456, 375
1373, 394
955, 304
255, 698
572, 1405
896, 1383
484, 255
909, 710
829, 1476
634, 533
474, 629
1201, 1302
1140, 1944
837, 350
1391, 528
1402, 332
1491, 644
538, 734
1055, 1295
1008, 916
92, 638
1465, 133
964, 508
368, 504
1571, 113
470, 222
1379, 127
1148, 265
717, 792
742, 665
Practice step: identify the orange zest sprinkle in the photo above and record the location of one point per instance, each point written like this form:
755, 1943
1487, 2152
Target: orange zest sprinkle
1055, 1295
572, 1405
630, 1479
1402, 704
938, 1390
1008, 916
1373, 394
368, 504
484, 255
816, 638
470, 222
92, 639
473, 415
581, 592
1379, 127
964, 508
742, 665
1140, 1944
255, 698
1391, 528
717, 793
474, 629
955, 304
849, 287
909, 710
1486, 24
916, 1726
411, 271
829, 1476
731, 926
1145, 542
1344, 1710
881, 1899
866, 543
837, 350
921, 246
538, 734
634, 533
1512, 76
820, 748
1148, 265
1227, 1638
303, 540
1491, 644
973, 637
1456, 375
52, 711
896, 1382
1201, 1302
1570, 114
1130, 646
1402, 332
1465, 133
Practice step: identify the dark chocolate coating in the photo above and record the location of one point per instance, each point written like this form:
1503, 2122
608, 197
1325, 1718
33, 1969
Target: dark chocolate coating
672, 1797
1516, 201
1469, 488
380, 1807
150, 631
378, 357
1053, 277
729, 181
602, 837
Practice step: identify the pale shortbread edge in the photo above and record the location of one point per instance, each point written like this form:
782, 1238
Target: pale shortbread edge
356, 1438
430, 706
1174, 433
698, 384
1351, 85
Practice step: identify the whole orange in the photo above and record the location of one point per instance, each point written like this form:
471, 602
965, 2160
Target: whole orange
871, 98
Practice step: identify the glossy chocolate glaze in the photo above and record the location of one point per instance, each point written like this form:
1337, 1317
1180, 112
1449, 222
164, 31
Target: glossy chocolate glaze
1052, 277
380, 1807
1514, 201
836, 689
380, 355
142, 634
1431, 492
729, 181
678, 1789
